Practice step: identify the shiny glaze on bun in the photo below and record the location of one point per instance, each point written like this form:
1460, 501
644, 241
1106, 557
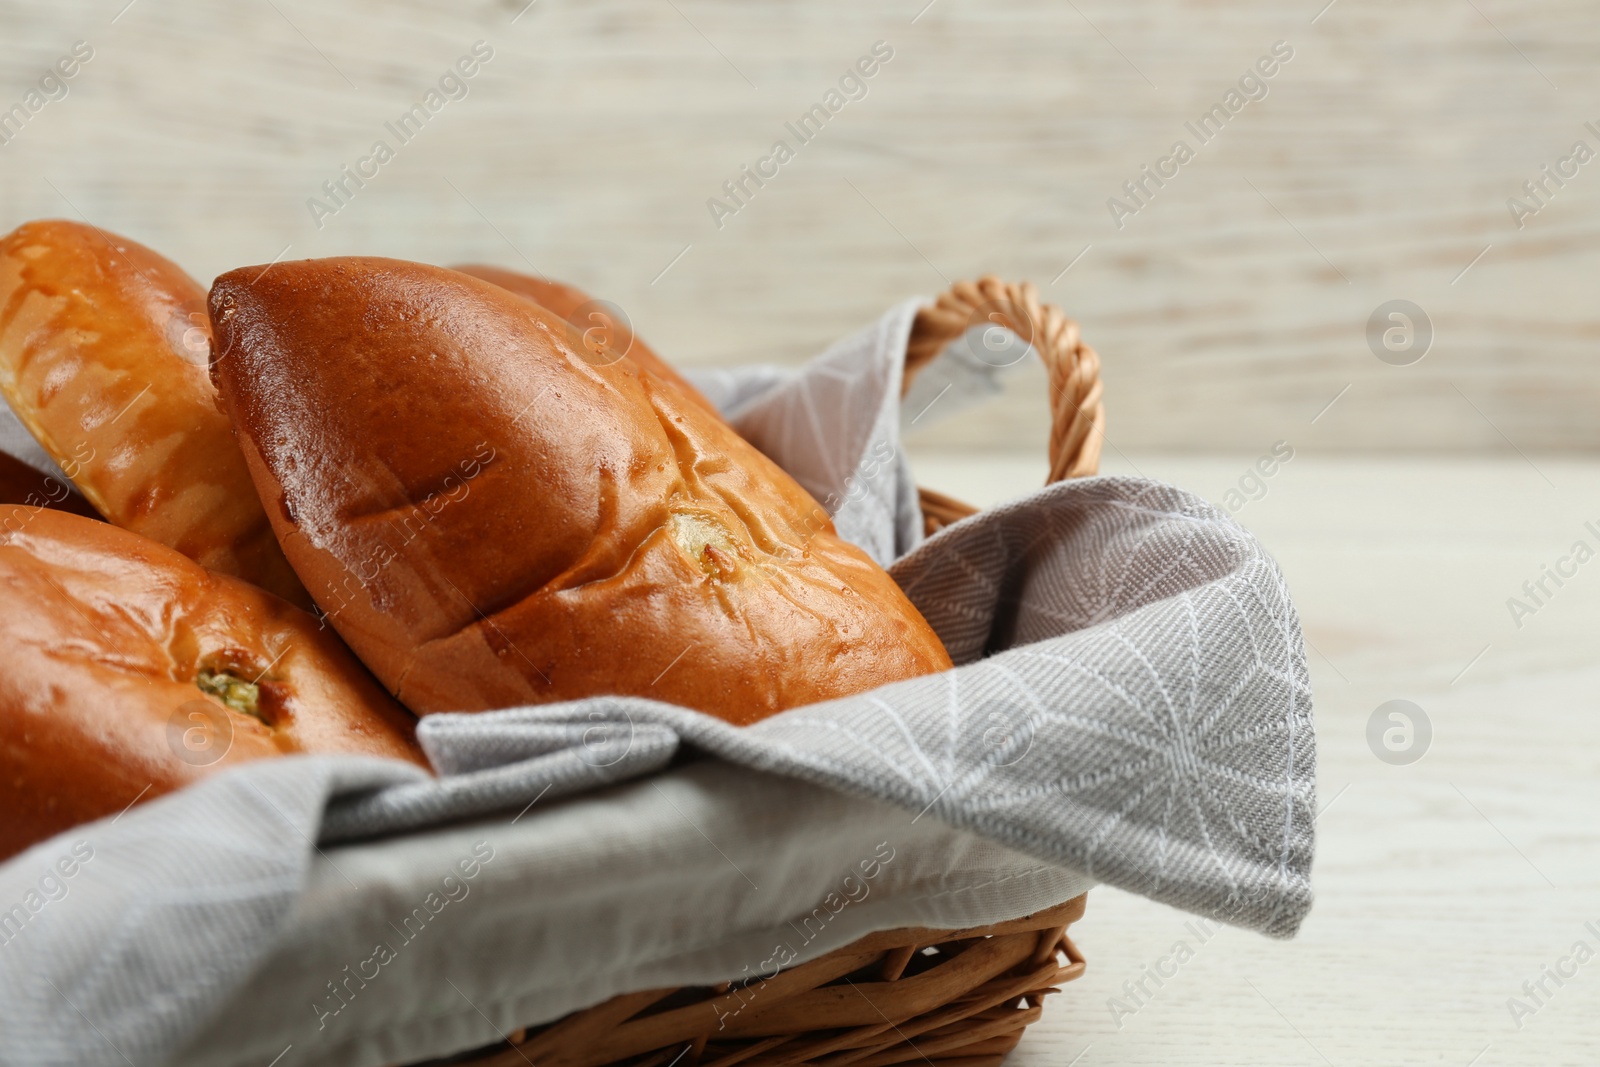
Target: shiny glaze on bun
491, 516
103, 353
128, 671
596, 323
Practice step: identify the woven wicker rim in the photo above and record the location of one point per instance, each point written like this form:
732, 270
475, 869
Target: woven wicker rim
907, 996
1077, 411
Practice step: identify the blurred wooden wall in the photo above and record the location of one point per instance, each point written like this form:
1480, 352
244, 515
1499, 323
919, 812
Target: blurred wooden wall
1230, 309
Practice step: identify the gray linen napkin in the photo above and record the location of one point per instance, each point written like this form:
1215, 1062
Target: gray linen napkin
1131, 700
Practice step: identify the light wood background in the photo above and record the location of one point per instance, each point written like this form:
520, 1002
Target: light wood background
1441, 886
1230, 311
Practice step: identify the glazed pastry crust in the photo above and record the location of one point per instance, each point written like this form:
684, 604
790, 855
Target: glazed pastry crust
128, 671
596, 325
104, 348
491, 517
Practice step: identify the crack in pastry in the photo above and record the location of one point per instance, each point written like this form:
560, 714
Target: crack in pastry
128, 671
622, 525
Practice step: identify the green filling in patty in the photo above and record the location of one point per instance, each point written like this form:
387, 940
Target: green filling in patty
236, 693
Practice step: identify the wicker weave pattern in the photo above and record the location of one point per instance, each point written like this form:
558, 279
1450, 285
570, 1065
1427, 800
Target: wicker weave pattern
903, 996
1077, 413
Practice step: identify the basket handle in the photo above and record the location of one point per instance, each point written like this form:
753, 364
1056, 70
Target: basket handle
1077, 413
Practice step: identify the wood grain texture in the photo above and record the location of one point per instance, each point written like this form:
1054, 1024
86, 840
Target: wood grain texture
1229, 313
1441, 886
1230, 310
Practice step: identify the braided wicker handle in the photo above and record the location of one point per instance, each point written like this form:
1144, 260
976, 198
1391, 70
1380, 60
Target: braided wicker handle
1077, 414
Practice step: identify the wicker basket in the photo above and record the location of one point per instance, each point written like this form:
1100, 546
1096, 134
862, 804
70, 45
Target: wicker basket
954, 998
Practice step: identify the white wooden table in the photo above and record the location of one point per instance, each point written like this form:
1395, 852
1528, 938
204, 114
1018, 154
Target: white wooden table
1377, 167
1442, 886
1229, 311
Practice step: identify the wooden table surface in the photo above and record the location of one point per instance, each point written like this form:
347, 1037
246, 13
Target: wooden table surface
1230, 309
1378, 166
1442, 886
